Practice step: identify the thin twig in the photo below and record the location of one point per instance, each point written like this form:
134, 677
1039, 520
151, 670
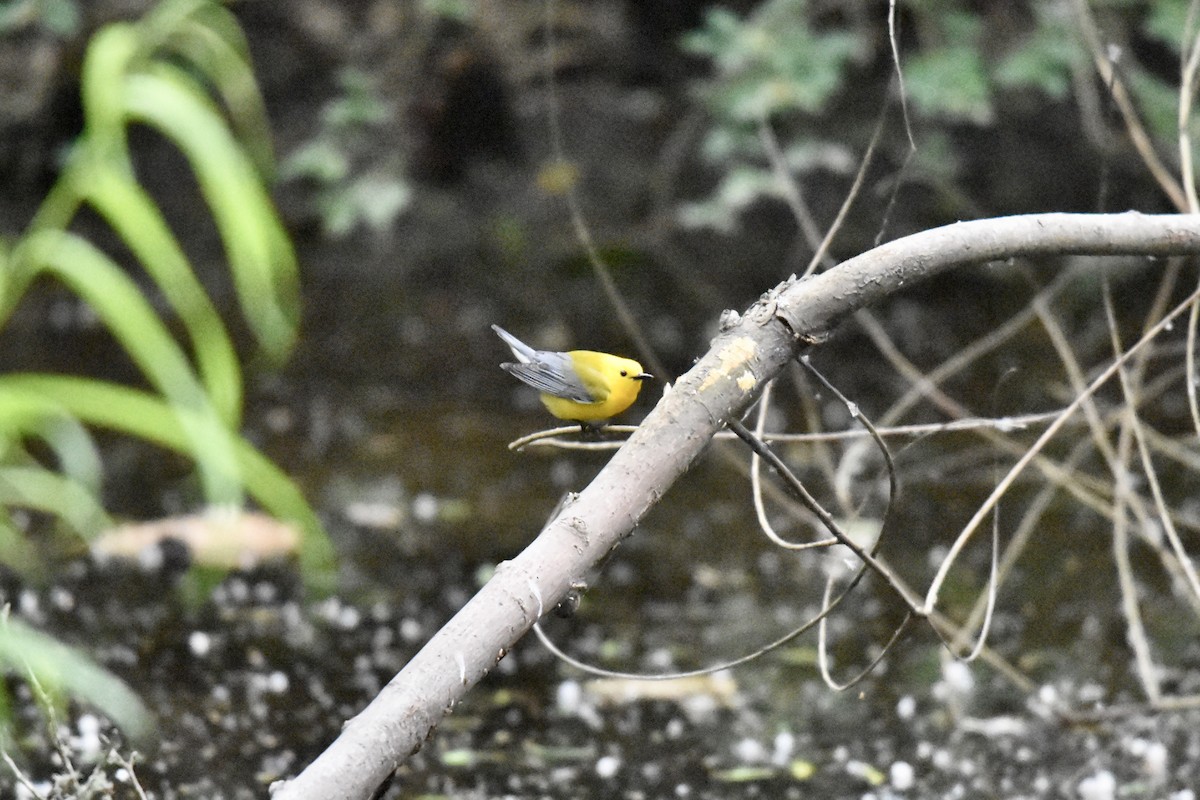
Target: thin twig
574, 206
1133, 124
127, 764
1039, 445
760, 510
865, 556
813, 423
822, 251
1078, 383
961, 360
551, 437
1148, 470
591, 669
1189, 62
1087, 491
894, 40
1135, 631
823, 659
1016, 547
807, 499
788, 183
1190, 366
21, 777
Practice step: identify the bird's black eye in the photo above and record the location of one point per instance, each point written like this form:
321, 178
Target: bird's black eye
624, 374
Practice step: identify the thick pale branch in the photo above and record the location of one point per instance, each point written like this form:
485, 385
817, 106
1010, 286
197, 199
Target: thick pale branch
750, 351
813, 310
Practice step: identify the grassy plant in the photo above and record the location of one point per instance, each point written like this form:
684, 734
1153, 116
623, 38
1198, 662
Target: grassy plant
184, 72
88, 766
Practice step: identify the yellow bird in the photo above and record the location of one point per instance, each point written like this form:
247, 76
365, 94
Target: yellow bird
580, 386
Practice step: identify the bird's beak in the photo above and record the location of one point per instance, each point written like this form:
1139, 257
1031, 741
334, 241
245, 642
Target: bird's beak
643, 376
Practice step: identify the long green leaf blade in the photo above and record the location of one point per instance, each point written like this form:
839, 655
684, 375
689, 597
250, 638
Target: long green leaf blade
264, 266
131, 212
39, 489
124, 310
76, 455
212, 44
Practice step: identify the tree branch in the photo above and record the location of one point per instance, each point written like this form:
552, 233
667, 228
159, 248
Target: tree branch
748, 353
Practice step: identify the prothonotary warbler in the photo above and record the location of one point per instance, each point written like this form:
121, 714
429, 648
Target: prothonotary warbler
580, 386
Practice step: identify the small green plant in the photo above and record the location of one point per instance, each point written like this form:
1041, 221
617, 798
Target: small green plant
776, 62
348, 197
184, 72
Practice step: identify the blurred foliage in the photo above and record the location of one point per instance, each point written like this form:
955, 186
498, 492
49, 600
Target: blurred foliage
57, 672
948, 78
773, 61
458, 10
1046, 57
345, 197
788, 62
184, 72
60, 17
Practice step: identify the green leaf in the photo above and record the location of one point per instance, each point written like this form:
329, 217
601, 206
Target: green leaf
1158, 102
773, 61
937, 160
214, 47
16, 552
1046, 59
380, 199
39, 489
456, 10
358, 104
375, 200
957, 27
319, 160
74, 451
61, 17
162, 72
260, 254
1167, 22
109, 56
133, 215
950, 83
164, 19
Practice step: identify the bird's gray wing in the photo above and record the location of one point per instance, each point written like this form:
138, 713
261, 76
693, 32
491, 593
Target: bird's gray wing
552, 373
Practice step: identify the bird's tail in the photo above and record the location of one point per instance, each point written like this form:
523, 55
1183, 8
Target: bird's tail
523, 352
